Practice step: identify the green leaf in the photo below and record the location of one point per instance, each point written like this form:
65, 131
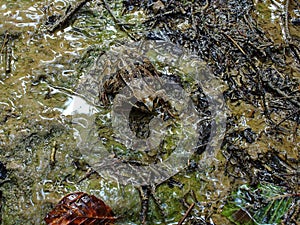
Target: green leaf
262, 205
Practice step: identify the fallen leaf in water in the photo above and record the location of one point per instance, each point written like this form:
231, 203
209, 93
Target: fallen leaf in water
264, 204
80, 208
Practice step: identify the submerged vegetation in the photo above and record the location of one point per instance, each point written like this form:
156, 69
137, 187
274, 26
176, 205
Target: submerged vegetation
252, 50
264, 204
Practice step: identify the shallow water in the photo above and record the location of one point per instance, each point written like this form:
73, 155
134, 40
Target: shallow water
39, 72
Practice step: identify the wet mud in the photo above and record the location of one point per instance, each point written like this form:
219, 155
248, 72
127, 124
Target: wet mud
250, 47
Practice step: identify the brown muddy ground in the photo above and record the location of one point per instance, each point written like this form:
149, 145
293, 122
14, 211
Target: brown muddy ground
251, 47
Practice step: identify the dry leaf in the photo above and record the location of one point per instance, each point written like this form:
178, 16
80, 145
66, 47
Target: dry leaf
80, 208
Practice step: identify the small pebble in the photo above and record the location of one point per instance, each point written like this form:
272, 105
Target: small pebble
157, 6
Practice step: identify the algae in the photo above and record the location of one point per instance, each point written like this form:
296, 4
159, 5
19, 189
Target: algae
39, 71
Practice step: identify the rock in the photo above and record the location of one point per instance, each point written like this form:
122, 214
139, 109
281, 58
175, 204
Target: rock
157, 6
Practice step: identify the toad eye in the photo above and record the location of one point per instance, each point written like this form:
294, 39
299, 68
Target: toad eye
148, 102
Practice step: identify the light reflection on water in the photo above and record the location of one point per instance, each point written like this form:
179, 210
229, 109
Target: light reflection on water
29, 102
77, 105
29, 17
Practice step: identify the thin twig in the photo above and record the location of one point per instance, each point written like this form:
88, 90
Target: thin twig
186, 214
236, 44
169, 3
64, 20
283, 196
286, 22
286, 118
4, 42
89, 172
117, 22
283, 94
8, 59
260, 87
53, 153
160, 16
144, 194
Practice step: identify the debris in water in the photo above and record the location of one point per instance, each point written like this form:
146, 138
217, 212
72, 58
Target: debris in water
80, 208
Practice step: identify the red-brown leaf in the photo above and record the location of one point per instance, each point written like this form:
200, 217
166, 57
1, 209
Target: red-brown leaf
80, 209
